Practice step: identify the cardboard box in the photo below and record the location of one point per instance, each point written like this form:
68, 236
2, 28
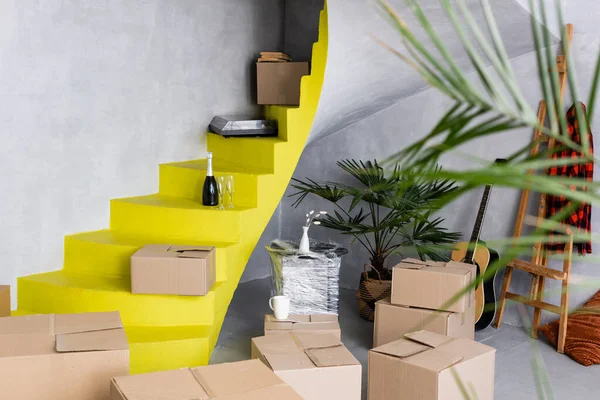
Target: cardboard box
245, 380
316, 366
62, 356
392, 322
279, 83
422, 366
317, 323
430, 284
167, 269
4, 300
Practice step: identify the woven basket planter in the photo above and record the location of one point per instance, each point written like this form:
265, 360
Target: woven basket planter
369, 292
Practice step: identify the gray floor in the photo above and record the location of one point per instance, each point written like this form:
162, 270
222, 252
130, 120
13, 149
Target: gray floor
514, 376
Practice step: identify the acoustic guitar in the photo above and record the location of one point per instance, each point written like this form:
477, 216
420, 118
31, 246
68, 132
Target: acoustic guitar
475, 252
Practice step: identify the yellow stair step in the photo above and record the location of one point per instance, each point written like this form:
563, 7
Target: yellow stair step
159, 349
64, 292
185, 179
175, 218
107, 252
245, 152
167, 332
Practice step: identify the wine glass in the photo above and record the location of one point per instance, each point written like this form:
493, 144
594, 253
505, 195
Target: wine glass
229, 185
221, 187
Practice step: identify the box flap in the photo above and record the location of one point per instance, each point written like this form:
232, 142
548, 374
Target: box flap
294, 319
177, 384
461, 265
280, 343
331, 356
323, 318
152, 250
86, 322
302, 322
288, 361
427, 338
27, 324
414, 263
410, 266
303, 350
104, 340
307, 340
435, 360
191, 251
424, 349
277, 392
401, 348
26, 344
272, 323
235, 378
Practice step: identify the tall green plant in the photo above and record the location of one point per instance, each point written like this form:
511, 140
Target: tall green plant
387, 212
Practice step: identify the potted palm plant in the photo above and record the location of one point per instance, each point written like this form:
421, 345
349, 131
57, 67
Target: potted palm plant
388, 213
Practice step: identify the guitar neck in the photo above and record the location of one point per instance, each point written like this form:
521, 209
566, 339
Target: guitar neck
478, 222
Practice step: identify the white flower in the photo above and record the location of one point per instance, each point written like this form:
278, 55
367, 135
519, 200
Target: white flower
323, 212
317, 223
306, 215
312, 212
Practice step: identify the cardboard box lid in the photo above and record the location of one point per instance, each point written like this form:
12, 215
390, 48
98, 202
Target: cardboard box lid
51, 333
177, 384
250, 379
300, 350
172, 251
387, 303
433, 351
447, 268
313, 322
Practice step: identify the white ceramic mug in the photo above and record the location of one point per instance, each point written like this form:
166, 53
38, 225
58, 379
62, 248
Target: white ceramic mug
280, 306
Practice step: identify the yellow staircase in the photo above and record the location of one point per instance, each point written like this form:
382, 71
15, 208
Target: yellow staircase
167, 332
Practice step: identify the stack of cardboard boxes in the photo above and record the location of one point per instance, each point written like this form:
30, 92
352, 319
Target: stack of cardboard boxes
423, 337
423, 298
305, 351
423, 345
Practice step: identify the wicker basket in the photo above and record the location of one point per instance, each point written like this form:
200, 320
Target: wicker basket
370, 291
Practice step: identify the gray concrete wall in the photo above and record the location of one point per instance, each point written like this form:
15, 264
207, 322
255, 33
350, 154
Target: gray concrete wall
301, 27
95, 94
407, 120
376, 80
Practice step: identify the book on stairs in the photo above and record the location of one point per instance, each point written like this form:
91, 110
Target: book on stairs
275, 54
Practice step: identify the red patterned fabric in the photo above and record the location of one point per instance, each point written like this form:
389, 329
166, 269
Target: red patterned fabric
580, 219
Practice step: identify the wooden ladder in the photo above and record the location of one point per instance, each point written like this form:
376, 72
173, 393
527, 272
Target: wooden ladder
538, 267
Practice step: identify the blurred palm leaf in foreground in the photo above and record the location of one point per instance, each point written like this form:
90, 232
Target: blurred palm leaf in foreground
492, 104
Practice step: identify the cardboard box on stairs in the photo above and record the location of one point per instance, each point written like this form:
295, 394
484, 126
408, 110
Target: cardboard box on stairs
178, 270
62, 356
392, 322
317, 366
429, 366
279, 83
244, 380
